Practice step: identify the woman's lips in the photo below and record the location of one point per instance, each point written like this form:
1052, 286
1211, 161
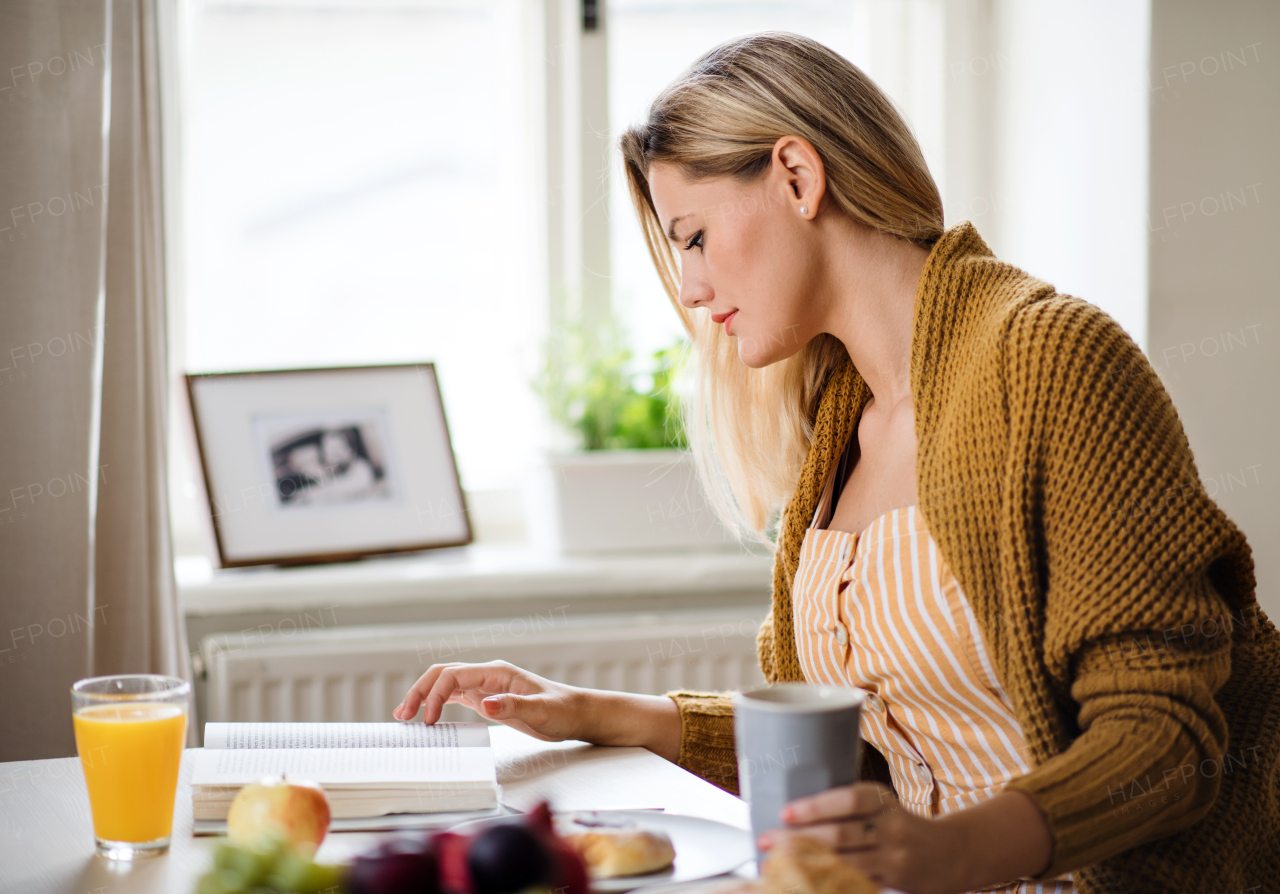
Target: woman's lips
726, 319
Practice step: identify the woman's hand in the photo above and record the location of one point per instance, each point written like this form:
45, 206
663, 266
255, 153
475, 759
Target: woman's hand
499, 691
999, 840
545, 709
865, 825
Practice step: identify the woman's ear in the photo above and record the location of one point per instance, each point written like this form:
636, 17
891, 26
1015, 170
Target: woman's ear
799, 170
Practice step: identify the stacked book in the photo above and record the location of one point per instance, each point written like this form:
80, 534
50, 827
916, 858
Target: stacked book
366, 769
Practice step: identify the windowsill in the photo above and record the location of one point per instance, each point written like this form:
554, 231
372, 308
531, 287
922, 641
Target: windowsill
466, 574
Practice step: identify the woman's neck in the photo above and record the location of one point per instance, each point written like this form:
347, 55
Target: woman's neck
871, 287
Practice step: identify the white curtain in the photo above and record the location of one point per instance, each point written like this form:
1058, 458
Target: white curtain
86, 581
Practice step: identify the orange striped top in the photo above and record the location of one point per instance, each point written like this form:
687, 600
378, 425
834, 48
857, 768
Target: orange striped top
881, 611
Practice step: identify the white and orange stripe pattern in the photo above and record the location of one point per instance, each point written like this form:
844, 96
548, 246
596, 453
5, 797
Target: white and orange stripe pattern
881, 611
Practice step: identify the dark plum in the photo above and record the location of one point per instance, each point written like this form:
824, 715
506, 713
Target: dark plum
508, 858
397, 868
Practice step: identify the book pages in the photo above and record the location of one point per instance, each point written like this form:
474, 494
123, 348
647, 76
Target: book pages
329, 766
345, 735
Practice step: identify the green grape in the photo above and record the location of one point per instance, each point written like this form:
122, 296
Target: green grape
320, 877
289, 871
221, 881
298, 874
223, 855
252, 866
274, 847
269, 866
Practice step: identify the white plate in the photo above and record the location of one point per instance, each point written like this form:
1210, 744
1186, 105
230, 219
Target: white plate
704, 848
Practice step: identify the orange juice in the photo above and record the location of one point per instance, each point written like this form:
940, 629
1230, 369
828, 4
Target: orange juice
131, 753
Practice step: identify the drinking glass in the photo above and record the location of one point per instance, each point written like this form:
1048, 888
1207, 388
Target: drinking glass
130, 730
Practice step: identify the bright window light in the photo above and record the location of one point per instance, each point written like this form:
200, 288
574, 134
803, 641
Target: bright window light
356, 189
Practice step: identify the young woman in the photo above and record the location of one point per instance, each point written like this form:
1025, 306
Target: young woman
992, 522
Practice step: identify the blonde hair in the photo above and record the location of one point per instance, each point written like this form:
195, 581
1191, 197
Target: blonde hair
750, 428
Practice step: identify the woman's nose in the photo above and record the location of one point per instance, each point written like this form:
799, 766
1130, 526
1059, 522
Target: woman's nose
695, 293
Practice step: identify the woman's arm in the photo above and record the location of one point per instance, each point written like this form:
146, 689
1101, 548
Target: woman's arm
999, 840
1125, 571
1146, 762
545, 709
624, 718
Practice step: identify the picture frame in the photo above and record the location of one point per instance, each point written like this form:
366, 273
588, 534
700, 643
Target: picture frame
329, 464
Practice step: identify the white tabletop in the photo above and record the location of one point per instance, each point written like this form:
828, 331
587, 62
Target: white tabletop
46, 832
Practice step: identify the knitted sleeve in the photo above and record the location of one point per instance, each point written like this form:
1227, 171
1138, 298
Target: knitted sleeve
706, 737
1141, 578
706, 723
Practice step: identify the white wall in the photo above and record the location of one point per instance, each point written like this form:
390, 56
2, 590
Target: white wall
1215, 225
1066, 196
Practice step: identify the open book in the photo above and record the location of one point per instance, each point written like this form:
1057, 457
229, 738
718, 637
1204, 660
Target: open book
366, 769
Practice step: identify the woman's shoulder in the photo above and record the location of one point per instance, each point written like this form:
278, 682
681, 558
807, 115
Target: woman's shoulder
1072, 342
1053, 314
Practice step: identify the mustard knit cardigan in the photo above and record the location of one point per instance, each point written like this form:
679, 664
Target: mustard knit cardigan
1116, 599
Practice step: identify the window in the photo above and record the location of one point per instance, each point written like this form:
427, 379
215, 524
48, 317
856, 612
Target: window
380, 181
355, 188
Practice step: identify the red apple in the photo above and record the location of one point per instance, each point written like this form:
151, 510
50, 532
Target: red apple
294, 809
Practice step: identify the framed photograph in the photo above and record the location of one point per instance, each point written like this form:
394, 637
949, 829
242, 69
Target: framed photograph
325, 465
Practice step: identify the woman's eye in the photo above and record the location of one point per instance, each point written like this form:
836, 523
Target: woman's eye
695, 240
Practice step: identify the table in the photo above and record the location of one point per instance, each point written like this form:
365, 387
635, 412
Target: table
46, 832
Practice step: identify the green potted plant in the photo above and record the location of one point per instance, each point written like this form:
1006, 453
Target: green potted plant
630, 485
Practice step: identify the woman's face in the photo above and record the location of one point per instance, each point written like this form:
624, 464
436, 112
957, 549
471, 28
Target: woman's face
745, 256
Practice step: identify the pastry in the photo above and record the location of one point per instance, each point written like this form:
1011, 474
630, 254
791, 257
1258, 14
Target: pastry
807, 866
613, 848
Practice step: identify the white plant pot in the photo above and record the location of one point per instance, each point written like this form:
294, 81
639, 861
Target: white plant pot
620, 501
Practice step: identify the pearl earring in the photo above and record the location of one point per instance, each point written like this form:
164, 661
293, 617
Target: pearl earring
804, 209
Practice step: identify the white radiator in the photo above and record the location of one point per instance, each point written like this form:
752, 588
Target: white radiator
361, 673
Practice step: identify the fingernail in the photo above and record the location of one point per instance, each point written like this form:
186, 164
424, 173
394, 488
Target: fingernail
788, 815
492, 704
764, 842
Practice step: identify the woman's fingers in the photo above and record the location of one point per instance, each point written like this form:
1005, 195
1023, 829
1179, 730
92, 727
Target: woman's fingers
860, 799
857, 835
458, 678
417, 693
466, 683
851, 818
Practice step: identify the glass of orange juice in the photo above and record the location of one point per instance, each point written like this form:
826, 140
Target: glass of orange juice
129, 733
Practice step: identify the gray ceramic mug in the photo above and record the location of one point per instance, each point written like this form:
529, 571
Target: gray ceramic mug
794, 740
